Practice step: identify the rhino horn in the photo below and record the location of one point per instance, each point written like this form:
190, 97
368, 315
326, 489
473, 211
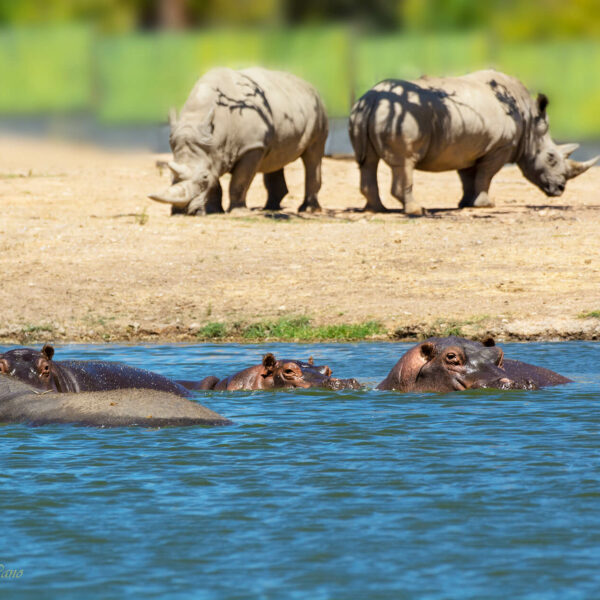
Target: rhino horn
567, 149
180, 171
575, 168
178, 194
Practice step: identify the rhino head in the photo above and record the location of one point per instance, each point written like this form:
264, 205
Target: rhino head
545, 163
195, 187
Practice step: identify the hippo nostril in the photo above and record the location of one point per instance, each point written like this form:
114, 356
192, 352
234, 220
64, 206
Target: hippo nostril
561, 187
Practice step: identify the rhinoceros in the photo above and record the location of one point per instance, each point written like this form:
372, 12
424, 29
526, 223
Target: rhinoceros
244, 122
475, 124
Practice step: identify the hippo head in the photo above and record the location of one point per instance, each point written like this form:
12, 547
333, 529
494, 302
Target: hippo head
451, 364
545, 163
31, 366
195, 187
300, 374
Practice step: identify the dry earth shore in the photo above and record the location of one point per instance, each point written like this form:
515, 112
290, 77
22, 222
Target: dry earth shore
85, 256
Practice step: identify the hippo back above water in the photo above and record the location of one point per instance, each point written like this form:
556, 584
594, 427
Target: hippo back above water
455, 364
475, 124
39, 370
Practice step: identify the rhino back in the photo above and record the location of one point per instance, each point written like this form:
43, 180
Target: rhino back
254, 108
298, 115
450, 122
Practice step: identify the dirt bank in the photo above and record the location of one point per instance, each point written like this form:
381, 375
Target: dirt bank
85, 256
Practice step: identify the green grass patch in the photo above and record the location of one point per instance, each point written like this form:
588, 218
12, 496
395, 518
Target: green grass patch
592, 314
290, 329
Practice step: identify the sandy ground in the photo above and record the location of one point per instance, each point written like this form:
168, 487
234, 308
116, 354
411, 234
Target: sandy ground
85, 256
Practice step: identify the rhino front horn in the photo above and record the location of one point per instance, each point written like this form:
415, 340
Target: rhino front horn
575, 168
178, 195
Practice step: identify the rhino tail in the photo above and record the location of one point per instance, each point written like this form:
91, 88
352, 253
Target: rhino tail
358, 127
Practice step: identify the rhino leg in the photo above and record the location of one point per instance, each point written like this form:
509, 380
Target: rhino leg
368, 182
312, 177
209, 204
476, 180
276, 189
402, 186
242, 175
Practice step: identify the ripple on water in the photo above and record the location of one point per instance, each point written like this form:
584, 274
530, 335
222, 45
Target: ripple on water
314, 493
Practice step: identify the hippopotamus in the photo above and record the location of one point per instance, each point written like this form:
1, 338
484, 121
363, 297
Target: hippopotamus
475, 124
39, 370
22, 402
244, 122
273, 373
453, 364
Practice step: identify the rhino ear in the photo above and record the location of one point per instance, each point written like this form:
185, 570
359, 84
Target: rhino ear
172, 118
205, 129
567, 149
179, 194
48, 351
542, 103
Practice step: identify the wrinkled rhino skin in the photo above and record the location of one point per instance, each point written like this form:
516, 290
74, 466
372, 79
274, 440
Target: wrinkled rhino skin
244, 122
276, 374
455, 364
24, 403
474, 124
38, 369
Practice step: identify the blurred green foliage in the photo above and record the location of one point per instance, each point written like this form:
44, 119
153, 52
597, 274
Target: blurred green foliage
511, 19
135, 77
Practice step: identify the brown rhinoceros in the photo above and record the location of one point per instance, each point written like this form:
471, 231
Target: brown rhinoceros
244, 122
474, 124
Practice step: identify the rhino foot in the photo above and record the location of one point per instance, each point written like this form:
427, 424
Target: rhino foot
413, 209
310, 207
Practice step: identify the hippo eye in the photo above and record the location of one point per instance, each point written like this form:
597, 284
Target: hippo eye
289, 371
453, 358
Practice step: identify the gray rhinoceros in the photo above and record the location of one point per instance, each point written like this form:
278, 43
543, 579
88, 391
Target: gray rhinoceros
474, 124
244, 122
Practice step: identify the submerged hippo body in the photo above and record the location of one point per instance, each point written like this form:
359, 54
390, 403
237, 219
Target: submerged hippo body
24, 403
273, 373
39, 370
455, 364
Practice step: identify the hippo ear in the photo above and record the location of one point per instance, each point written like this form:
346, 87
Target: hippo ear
428, 350
4, 368
311, 361
542, 103
489, 341
269, 362
48, 351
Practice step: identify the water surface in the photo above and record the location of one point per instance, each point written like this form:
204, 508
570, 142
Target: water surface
314, 494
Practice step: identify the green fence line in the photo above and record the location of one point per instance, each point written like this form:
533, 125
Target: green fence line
135, 78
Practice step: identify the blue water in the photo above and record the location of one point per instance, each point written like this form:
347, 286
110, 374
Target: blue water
314, 494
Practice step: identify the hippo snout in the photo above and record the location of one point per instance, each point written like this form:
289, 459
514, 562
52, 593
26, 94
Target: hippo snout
342, 384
